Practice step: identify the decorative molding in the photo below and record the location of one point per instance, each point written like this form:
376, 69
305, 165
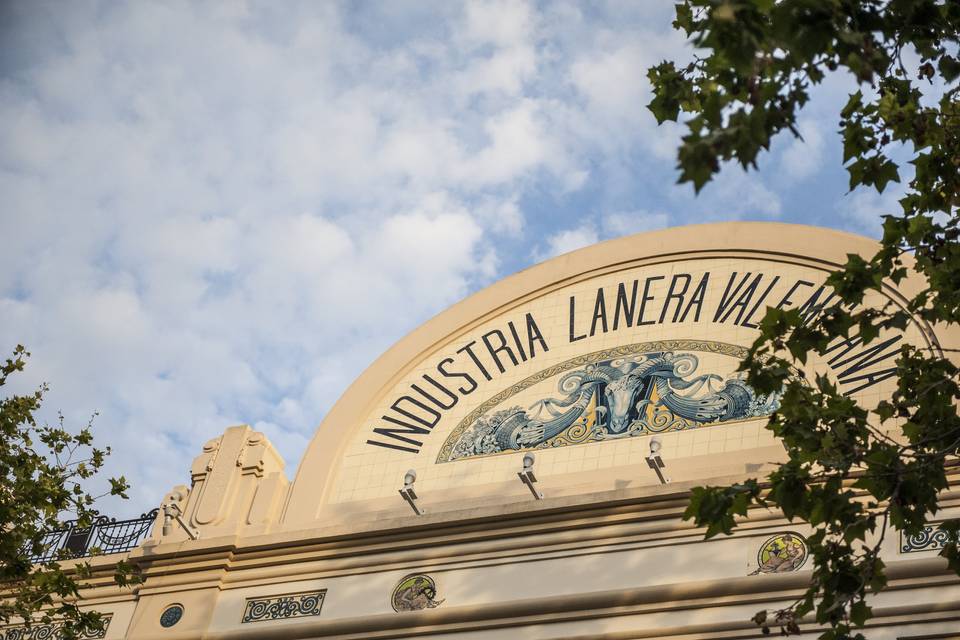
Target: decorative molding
930, 539
50, 631
703, 609
293, 605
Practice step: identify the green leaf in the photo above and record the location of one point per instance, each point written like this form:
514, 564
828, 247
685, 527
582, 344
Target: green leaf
886, 173
748, 84
860, 613
949, 68
42, 483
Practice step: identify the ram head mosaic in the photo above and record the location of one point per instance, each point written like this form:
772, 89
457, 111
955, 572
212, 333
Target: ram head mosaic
623, 392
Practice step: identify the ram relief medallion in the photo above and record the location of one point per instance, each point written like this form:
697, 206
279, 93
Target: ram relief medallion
623, 392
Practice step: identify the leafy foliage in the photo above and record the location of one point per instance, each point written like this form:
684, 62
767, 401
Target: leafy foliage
42, 471
851, 474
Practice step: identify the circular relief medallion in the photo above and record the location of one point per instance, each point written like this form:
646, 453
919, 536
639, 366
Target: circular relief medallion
171, 615
415, 592
781, 553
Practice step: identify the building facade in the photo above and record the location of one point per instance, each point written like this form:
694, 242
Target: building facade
517, 468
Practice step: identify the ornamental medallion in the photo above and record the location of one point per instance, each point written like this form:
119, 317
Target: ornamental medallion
782, 553
415, 592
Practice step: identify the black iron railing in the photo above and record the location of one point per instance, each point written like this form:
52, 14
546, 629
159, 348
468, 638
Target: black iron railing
105, 535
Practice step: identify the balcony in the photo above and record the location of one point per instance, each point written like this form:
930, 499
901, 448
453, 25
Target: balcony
104, 536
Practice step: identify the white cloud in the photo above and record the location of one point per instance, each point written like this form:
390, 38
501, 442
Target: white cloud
191, 342
863, 210
500, 22
502, 215
626, 223
610, 77
517, 144
600, 227
607, 79
567, 241
223, 213
804, 156
733, 194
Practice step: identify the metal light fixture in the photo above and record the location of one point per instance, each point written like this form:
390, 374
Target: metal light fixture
655, 462
171, 512
408, 493
526, 476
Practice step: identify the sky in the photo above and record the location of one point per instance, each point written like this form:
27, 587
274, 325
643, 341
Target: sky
221, 213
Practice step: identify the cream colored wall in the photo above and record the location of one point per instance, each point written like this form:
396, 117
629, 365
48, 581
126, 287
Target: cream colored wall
604, 555
615, 565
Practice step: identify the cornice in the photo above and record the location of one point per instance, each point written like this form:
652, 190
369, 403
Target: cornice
541, 530
762, 592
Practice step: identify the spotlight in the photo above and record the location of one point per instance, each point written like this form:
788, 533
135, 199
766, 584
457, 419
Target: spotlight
526, 476
172, 512
408, 493
655, 462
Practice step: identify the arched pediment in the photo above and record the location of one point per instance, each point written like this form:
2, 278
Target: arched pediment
582, 359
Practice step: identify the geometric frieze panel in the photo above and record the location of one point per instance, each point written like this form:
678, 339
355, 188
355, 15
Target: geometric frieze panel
293, 605
929, 539
51, 631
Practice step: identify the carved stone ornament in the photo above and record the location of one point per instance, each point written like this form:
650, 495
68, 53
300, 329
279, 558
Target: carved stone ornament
237, 484
782, 553
415, 592
52, 631
292, 605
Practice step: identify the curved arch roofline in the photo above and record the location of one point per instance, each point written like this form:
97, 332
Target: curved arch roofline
812, 247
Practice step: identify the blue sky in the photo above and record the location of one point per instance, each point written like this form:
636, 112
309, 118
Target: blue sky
220, 213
